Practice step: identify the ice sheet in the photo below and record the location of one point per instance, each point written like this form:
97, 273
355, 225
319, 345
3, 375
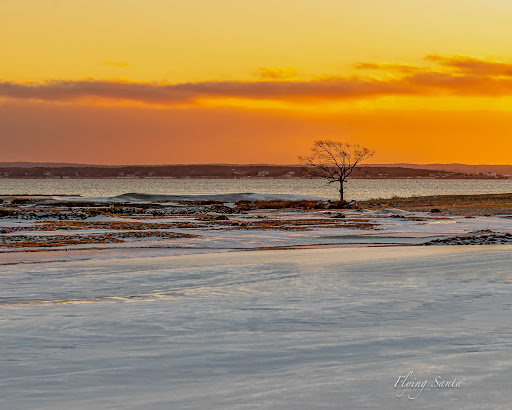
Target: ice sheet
295, 329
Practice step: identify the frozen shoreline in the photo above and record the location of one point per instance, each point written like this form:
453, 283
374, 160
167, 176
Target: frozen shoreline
298, 329
170, 306
157, 226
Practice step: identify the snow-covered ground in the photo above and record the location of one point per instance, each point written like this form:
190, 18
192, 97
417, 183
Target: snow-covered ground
294, 329
179, 307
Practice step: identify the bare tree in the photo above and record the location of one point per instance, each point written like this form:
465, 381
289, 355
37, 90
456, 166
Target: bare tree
334, 161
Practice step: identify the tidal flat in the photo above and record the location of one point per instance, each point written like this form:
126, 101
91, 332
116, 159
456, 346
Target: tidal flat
247, 304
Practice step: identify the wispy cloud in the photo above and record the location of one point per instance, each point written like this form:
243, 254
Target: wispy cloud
276, 73
458, 76
119, 64
472, 65
400, 68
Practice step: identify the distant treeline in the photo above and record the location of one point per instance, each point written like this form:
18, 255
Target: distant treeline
214, 171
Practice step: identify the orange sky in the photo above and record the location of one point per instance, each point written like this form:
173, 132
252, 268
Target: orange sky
255, 81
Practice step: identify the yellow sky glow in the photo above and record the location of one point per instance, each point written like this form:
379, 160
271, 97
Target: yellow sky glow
336, 64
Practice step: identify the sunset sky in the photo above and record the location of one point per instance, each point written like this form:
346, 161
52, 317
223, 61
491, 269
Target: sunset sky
254, 81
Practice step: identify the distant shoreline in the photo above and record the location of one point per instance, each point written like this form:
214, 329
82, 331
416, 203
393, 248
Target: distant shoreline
206, 171
473, 177
258, 178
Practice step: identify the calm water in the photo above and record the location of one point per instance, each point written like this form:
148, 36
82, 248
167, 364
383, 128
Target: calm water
358, 189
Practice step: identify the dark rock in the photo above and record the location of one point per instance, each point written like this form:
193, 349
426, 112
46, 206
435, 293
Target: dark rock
222, 209
221, 218
351, 205
322, 205
435, 210
341, 204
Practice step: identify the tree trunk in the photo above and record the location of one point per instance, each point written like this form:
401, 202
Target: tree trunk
341, 190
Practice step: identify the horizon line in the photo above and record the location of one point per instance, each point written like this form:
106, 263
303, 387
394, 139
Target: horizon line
46, 163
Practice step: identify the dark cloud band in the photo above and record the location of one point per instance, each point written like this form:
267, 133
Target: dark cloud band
465, 76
